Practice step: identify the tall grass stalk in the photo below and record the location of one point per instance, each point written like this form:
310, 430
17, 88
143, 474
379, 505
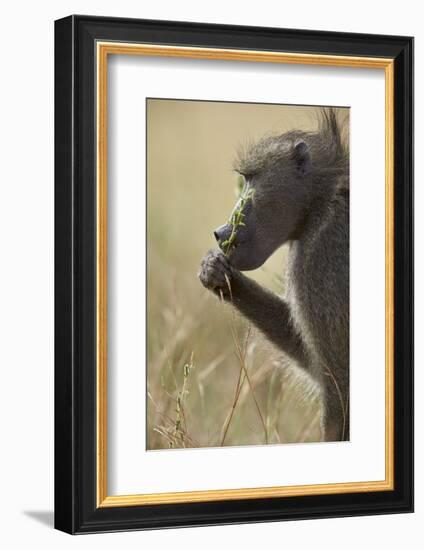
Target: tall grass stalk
236, 222
343, 405
239, 386
175, 430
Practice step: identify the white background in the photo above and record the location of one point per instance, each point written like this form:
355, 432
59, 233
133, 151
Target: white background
26, 289
131, 468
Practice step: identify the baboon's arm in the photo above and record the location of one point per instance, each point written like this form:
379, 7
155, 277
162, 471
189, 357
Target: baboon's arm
268, 312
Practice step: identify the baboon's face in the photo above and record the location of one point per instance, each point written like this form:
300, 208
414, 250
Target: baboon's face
273, 211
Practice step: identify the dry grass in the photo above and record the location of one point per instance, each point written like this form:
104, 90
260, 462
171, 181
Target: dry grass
214, 381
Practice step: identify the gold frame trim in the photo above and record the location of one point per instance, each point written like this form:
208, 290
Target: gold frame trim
119, 48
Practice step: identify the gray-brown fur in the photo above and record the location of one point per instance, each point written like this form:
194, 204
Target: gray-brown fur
301, 196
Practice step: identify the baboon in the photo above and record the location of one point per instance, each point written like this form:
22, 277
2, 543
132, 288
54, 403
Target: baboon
299, 188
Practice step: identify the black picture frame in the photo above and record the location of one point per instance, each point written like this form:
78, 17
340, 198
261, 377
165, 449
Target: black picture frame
76, 509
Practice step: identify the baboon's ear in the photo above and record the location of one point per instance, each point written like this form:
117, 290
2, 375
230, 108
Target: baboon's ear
302, 157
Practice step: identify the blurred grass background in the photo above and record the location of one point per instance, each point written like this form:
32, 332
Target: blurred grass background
212, 380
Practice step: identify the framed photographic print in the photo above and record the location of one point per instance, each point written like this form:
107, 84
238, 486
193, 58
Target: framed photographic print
234, 267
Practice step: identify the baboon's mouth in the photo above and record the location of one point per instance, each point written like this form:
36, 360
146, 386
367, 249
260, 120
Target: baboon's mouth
229, 251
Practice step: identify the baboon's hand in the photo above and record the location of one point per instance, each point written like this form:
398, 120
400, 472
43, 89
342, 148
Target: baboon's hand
216, 272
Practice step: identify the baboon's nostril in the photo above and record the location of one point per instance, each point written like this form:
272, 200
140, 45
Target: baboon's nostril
222, 232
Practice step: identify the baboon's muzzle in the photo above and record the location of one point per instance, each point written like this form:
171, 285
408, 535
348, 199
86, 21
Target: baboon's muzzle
222, 233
